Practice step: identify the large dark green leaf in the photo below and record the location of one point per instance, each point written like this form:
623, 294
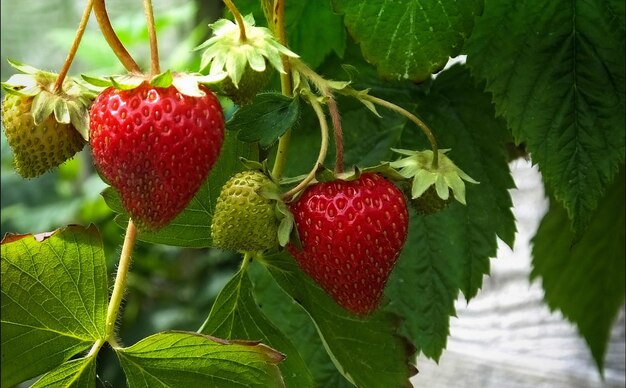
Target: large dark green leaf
192, 227
556, 71
235, 315
409, 39
54, 299
181, 359
367, 351
585, 280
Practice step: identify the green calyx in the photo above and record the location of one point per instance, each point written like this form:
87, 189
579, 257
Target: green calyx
70, 104
446, 176
226, 55
186, 83
245, 218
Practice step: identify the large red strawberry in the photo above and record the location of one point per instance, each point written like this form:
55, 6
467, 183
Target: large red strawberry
155, 146
352, 233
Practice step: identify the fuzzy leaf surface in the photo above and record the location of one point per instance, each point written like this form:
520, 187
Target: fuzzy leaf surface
54, 299
409, 39
185, 359
192, 227
450, 250
556, 72
235, 315
78, 373
268, 117
367, 351
585, 280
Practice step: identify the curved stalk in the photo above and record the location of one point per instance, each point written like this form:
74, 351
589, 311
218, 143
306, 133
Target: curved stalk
238, 18
413, 118
338, 133
155, 67
323, 149
120, 280
72, 53
99, 10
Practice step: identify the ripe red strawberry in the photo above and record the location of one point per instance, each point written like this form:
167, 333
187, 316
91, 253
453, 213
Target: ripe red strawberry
156, 146
352, 233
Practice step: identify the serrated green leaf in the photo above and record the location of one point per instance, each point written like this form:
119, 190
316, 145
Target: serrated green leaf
585, 280
183, 359
192, 228
364, 350
54, 299
267, 118
556, 71
409, 39
235, 315
293, 320
78, 373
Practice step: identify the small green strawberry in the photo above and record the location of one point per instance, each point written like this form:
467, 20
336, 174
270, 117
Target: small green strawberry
431, 184
44, 128
243, 63
245, 219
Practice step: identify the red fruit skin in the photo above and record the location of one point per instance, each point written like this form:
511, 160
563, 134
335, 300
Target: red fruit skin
155, 146
352, 233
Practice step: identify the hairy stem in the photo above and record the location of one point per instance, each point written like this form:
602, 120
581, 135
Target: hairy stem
238, 18
120, 279
323, 149
413, 118
99, 10
338, 132
72, 53
155, 67
285, 85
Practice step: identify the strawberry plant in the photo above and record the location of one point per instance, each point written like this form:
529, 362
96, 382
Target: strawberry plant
358, 184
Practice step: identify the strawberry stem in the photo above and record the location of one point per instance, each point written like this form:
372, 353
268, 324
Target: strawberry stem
72, 53
99, 10
413, 118
238, 18
323, 147
285, 86
120, 281
154, 47
338, 133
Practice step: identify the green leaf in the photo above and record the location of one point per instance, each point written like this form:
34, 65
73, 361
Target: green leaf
183, 359
235, 315
556, 71
585, 280
54, 299
192, 228
364, 350
450, 250
409, 39
293, 320
79, 373
162, 80
267, 118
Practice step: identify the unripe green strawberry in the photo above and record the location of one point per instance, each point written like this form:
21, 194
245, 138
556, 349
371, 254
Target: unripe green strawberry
427, 203
37, 148
250, 84
244, 219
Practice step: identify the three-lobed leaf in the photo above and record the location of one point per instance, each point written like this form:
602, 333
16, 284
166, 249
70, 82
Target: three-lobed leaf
192, 227
556, 72
235, 315
585, 279
409, 39
54, 299
184, 359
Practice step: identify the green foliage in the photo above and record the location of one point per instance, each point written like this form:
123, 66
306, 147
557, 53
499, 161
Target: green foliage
585, 278
78, 373
557, 80
182, 359
54, 297
409, 39
267, 118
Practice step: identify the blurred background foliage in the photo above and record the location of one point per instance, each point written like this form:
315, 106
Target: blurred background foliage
169, 288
